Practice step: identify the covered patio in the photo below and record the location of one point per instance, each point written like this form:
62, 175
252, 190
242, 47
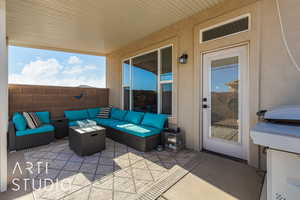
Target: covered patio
207, 66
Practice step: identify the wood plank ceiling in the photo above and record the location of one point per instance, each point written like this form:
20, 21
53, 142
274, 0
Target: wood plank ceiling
94, 26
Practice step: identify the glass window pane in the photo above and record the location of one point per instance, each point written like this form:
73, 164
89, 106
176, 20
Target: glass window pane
166, 98
144, 82
224, 99
166, 64
126, 73
126, 96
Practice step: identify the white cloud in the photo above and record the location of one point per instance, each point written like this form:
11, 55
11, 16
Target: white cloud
74, 60
51, 72
79, 69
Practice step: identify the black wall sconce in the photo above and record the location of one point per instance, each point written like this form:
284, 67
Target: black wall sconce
183, 58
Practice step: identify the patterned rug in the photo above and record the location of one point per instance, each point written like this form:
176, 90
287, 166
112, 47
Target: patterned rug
118, 172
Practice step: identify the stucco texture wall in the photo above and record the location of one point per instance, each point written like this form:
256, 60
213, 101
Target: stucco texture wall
273, 78
280, 81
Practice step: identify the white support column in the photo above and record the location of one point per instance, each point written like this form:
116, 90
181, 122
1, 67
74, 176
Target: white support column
3, 97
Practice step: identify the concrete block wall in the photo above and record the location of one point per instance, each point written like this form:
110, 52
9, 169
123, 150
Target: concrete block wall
54, 99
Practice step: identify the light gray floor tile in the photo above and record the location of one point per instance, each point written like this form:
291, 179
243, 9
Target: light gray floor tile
88, 168
108, 154
76, 158
83, 179
50, 155
66, 176
82, 194
57, 164
105, 169
105, 183
100, 194
64, 156
73, 166
106, 161
142, 174
91, 160
123, 184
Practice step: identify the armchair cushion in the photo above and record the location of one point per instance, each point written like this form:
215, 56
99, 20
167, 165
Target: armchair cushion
19, 122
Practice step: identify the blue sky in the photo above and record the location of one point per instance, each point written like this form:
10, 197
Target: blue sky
43, 67
223, 75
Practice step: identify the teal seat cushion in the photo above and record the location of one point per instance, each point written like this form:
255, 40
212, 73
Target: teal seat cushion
154, 120
93, 112
118, 114
74, 115
19, 122
138, 130
108, 122
42, 129
44, 117
73, 123
134, 117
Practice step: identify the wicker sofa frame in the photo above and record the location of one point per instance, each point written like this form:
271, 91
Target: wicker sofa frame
143, 144
27, 141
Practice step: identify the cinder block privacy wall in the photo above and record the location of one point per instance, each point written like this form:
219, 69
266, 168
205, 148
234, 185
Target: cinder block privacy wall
54, 99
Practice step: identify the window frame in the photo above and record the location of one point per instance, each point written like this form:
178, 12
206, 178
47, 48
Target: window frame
226, 22
159, 82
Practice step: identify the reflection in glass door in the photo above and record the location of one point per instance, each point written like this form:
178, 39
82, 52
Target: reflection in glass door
224, 80
223, 76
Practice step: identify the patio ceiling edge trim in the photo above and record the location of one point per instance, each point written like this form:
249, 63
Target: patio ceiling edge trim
55, 48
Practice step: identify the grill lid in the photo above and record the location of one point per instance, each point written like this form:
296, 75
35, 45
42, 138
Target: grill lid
286, 113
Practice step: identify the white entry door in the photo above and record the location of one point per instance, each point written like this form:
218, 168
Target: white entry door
224, 91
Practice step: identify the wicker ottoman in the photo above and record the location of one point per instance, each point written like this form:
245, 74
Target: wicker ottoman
87, 141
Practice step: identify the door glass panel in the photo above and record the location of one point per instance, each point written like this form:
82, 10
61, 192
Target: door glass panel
225, 99
144, 82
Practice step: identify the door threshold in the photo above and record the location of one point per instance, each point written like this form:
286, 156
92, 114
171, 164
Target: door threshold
225, 156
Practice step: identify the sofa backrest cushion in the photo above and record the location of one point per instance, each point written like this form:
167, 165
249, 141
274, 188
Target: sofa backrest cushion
74, 115
118, 114
154, 120
44, 117
134, 117
19, 122
93, 112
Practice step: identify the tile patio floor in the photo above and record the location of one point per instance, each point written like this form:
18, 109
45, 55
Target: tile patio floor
118, 172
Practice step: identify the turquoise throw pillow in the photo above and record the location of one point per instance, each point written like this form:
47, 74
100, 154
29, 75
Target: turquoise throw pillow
19, 122
134, 117
118, 114
154, 120
44, 117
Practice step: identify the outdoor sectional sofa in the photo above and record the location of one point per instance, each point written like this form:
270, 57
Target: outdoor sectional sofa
141, 131
21, 137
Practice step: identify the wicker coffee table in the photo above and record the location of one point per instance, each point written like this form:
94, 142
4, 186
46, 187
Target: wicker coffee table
86, 141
